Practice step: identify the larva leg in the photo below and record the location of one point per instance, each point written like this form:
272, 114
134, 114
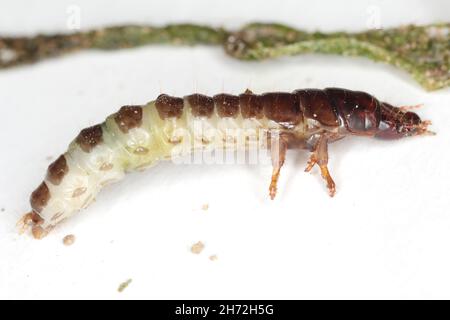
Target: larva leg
409, 108
278, 154
319, 156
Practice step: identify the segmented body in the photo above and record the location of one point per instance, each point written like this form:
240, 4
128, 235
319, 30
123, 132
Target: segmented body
138, 136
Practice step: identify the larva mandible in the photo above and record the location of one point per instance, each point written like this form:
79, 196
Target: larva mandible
137, 136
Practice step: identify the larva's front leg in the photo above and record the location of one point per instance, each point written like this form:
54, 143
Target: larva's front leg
319, 156
278, 154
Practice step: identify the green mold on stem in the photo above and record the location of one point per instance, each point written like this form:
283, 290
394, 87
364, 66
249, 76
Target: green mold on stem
423, 51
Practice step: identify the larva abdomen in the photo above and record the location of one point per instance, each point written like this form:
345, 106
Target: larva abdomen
137, 136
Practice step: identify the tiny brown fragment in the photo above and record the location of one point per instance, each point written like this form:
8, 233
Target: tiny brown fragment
213, 257
38, 232
90, 137
169, 107
129, 117
57, 170
205, 207
69, 240
251, 105
124, 285
39, 198
227, 105
197, 248
201, 105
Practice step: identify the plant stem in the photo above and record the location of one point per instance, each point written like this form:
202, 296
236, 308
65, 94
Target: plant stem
423, 51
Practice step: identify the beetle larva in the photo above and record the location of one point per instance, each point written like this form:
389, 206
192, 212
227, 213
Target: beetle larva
137, 136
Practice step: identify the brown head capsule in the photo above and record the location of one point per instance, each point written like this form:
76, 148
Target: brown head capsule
396, 123
362, 114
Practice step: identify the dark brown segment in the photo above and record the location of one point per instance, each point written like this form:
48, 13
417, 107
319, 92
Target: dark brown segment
201, 105
36, 218
227, 105
169, 107
128, 117
57, 170
251, 105
40, 197
90, 137
316, 105
358, 111
282, 107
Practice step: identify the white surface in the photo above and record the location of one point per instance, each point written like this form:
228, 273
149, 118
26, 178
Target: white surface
386, 233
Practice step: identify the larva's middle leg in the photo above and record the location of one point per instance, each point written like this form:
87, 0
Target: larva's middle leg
278, 154
319, 156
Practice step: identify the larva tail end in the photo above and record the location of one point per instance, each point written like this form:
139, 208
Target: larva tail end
33, 221
25, 223
39, 232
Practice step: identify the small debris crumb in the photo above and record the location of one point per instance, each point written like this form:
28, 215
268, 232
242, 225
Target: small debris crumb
2, 209
213, 257
197, 248
69, 240
205, 207
124, 285
49, 158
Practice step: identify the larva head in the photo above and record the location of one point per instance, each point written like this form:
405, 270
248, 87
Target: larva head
396, 123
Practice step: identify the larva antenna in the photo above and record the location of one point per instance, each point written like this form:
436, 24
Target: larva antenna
408, 108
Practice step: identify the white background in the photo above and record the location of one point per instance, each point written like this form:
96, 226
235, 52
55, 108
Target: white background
386, 233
